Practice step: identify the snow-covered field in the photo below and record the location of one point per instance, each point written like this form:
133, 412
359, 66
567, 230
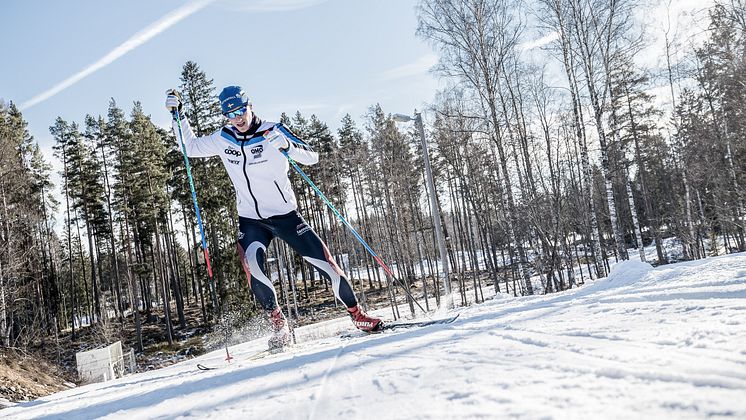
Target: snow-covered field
643, 343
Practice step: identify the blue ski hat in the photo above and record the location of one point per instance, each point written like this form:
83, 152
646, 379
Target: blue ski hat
233, 98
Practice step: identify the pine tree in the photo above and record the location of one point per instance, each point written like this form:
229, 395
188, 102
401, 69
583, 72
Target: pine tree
96, 133
87, 192
119, 139
148, 189
62, 134
21, 304
47, 207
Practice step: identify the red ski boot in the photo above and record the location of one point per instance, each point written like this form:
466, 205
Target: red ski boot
364, 321
281, 333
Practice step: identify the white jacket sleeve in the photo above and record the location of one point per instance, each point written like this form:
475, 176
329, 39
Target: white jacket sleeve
204, 146
302, 153
299, 150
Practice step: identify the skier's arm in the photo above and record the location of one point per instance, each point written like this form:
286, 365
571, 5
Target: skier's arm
296, 148
204, 146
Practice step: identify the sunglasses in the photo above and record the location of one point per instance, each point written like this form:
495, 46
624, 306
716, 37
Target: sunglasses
236, 113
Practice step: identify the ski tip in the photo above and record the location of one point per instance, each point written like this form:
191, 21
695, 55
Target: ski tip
203, 367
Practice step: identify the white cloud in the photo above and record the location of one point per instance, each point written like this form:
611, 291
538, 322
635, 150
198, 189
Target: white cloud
421, 66
546, 39
135, 41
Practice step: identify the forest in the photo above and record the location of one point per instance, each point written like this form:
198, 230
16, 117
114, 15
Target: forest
549, 167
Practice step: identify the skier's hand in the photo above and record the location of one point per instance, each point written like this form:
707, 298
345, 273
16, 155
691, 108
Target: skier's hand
277, 140
173, 101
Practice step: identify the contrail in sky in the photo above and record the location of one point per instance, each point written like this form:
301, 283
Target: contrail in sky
135, 41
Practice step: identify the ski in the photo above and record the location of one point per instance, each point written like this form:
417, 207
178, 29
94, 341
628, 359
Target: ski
267, 352
388, 326
254, 356
400, 325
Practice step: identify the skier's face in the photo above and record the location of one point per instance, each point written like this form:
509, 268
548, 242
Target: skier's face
242, 122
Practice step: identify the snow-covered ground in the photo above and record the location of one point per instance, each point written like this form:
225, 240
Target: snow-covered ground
668, 342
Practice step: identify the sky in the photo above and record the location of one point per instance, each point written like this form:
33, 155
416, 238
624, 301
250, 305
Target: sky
643, 343
323, 57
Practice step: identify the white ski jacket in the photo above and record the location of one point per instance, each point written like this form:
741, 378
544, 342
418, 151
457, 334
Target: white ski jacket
259, 171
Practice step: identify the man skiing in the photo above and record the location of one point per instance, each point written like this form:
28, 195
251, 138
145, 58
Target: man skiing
252, 152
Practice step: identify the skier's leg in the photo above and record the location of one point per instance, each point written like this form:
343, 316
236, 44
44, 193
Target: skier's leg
253, 240
295, 231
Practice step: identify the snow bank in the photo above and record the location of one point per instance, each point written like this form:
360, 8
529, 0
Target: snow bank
625, 273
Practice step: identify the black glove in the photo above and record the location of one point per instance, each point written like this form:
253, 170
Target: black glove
173, 102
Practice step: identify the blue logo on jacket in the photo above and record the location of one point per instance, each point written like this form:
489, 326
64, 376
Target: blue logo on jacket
257, 151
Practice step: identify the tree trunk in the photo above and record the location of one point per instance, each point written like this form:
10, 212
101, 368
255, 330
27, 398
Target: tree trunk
193, 252
176, 284
635, 223
114, 259
133, 286
4, 326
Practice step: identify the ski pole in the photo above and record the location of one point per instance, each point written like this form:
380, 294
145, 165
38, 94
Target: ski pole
199, 223
352, 229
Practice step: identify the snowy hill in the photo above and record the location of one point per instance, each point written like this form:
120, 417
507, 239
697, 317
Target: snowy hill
668, 342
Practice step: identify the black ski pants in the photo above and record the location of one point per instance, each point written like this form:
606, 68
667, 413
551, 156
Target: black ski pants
255, 236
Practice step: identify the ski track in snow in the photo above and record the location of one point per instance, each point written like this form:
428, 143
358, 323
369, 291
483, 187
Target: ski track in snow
668, 342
